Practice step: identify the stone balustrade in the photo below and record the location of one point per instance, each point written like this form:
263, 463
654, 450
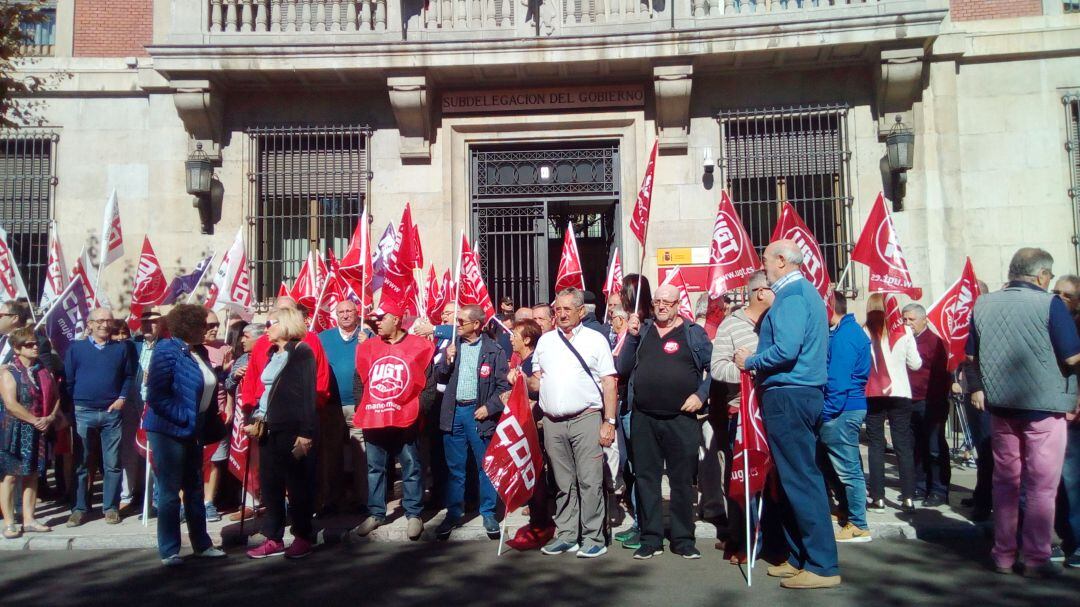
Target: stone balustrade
296, 16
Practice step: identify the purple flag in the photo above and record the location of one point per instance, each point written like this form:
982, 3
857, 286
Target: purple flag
186, 283
381, 255
66, 319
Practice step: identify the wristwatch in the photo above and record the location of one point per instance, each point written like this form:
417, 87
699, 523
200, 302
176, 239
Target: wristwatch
610, 420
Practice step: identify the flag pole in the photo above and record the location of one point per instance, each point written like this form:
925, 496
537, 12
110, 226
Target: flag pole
641, 273
607, 279
202, 277
502, 534
746, 501
844, 274
146, 489
243, 487
457, 289
318, 301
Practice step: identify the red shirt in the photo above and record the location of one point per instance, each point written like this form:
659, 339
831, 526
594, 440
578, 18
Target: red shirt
931, 381
393, 376
251, 388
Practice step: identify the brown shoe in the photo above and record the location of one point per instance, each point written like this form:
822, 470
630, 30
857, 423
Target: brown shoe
112, 517
806, 580
75, 519
783, 570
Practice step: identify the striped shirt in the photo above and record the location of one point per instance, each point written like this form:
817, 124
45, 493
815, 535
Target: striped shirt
736, 331
468, 358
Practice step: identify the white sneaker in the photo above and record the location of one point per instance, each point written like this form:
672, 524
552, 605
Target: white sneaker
172, 561
213, 552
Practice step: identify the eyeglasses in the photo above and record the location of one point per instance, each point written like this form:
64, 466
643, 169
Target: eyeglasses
212, 325
760, 289
664, 303
98, 321
30, 344
271, 323
1064, 294
464, 322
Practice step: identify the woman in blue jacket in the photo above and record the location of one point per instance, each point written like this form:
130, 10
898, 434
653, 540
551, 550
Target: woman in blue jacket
180, 390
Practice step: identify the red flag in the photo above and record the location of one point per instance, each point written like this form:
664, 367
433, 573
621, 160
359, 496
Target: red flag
675, 278
283, 290
569, 274
894, 321
791, 227
751, 452
400, 284
356, 269
513, 460
714, 315
324, 316
639, 221
11, 282
239, 452
150, 284
84, 269
471, 287
437, 296
732, 258
142, 442
879, 249
950, 316
613, 282
309, 282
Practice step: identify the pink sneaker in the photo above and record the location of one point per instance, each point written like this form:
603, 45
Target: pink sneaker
267, 548
298, 549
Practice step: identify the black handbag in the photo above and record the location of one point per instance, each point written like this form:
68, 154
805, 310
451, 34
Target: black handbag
213, 429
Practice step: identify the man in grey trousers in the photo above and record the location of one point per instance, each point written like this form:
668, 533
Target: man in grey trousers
576, 373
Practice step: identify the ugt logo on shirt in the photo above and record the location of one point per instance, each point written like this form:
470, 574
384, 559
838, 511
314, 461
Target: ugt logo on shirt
671, 347
389, 376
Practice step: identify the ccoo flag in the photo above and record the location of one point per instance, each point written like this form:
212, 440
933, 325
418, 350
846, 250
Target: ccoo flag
470, 285
513, 460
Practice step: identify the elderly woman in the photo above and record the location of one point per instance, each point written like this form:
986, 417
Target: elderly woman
180, 389
30, 395
284, 424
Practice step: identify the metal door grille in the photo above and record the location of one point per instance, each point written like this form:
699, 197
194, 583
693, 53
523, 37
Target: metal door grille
27, 187
306, 189
1072, 145
796, 154
544, 172
511, 251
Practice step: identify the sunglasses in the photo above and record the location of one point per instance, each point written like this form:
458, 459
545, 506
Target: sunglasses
32, 345
271, 323
212, 325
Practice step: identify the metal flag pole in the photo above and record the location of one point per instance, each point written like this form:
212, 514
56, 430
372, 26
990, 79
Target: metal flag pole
457, 288
243, 490
746, 502
502, 534
146, 489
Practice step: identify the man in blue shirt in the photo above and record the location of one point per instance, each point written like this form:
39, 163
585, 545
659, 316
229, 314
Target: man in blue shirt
843, 415
100, 374
791, 372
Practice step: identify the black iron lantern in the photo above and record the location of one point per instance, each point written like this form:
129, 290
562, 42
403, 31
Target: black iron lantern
900, 143
198, 172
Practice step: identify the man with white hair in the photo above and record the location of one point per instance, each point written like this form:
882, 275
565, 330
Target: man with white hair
791, 374
929, 410
666, 362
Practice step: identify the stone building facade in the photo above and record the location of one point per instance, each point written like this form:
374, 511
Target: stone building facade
506, 120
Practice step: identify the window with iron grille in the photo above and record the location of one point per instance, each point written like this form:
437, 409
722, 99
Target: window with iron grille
795, 154
27, 183
306, 189
40, 37
1072, 145
1071, 6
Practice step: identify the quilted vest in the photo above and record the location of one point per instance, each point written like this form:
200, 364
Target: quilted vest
1016, 356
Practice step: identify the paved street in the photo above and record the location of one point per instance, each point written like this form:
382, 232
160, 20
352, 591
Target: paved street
897, 572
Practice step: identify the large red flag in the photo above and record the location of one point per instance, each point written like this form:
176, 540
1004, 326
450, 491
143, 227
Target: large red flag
471, 287
400, 284
513, 460
732, 258
613, 281
309, 282
751, 452
791, 227
150, 284
675, 279
879, 249
894, 320
569, 274
324, 315
85, 270
239, 452
356, 267
437, 297
639, 221
950, 316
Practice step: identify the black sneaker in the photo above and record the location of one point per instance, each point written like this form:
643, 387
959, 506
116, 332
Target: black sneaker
647, 552
445, 528
1073, 560
687, 552
1057, 555
933, 501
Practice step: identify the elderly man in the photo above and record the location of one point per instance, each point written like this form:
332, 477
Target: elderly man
571, 364
1024, 345
340, 344
737, 330
665, 361
100, 374
542, 316
131, 463
474, 370
523, 314
929, 410
791, 371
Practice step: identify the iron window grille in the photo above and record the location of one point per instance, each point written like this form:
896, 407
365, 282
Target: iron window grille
532, 173
27, 189
306, 189
797, 154
1072, 146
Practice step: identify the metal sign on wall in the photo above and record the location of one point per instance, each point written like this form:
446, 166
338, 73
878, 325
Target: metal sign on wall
540, 99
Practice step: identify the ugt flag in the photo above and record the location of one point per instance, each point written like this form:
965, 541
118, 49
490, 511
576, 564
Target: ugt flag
613, 281
513, 460
150, 287
675, 279
751, 453
569, 274
879, 249
66, 319
732, 258
791, 227
950, 316
639, 221
470, 284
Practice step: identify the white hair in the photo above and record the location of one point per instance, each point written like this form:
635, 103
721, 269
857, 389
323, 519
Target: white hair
789, 251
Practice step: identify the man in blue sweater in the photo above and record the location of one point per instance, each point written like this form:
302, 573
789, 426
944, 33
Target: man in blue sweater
791, 372
843, 415
100, 373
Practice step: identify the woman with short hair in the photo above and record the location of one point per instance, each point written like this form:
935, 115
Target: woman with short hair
180, 389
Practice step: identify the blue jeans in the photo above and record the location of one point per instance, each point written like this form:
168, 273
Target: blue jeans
108, 426
1069, 496
178, 466
382, 444
628, 468
792, 416
457, 444
840, 438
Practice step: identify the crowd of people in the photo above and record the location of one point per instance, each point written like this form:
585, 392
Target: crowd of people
618, 404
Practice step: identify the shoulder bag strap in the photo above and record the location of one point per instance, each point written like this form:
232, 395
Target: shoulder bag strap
581, 360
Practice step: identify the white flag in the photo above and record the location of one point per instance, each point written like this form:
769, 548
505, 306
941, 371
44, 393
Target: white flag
56, 272
231, 288
112, 236
11, 282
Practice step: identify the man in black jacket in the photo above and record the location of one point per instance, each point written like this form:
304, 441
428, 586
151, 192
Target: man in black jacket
474, 371
666, 362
